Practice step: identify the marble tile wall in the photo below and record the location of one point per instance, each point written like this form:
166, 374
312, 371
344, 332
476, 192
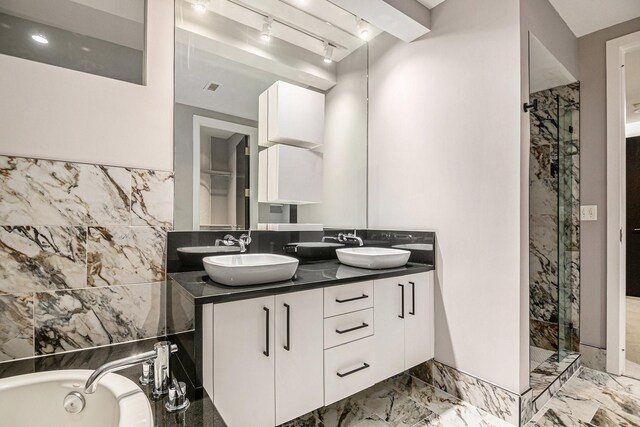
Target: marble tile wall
82, 255
548, 211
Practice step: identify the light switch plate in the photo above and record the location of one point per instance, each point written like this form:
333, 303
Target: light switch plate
589, 213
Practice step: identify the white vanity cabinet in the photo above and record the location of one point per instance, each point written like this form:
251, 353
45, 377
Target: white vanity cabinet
243, 361
267, 358
299, 354
403, 309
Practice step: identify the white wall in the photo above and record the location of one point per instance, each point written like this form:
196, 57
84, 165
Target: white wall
593, 179
445, 154
55, 113
344, 199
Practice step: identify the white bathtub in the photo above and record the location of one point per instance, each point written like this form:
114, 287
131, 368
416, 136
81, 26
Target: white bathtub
36, 400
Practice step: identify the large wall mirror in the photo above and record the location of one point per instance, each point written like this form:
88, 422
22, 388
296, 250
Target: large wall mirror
270, 115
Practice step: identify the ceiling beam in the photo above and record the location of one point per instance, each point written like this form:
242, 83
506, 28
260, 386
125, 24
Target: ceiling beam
404, 19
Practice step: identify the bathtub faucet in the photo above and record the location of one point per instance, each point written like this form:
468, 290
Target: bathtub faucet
159, 357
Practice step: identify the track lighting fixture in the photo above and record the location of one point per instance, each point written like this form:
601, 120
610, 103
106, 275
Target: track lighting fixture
200, 5
363, 29
265, 34
328, 53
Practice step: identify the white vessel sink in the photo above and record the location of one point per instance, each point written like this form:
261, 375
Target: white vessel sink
36, 400
250, 269
373, 258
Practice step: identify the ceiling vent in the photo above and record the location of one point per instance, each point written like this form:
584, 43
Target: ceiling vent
211, 86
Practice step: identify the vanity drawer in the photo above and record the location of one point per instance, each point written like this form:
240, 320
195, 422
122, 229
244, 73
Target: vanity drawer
347, 298
348, 327
348, 369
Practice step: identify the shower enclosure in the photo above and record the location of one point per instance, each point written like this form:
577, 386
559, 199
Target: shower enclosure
554, 224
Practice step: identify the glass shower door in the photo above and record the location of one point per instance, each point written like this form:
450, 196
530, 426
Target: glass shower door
568, 220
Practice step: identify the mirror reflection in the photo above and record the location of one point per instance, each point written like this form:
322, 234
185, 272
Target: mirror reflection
270, 115
100, 37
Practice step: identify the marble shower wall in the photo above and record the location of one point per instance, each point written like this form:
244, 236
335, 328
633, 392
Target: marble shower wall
82, 255
547, 213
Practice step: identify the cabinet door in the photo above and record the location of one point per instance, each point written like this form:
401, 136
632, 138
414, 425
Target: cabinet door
389, 326
243, 362
299, 354
418, 330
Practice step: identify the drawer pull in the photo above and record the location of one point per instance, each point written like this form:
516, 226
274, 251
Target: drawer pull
364, 325
364, 366
352, 299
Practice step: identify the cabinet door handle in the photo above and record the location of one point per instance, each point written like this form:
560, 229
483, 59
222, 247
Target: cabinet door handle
364, 366
344, 331
413, 299
288, 345
266, 352
402, 300
340, 301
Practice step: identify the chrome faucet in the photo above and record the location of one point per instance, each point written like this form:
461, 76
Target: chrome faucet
350, 237
243, 241
159, 356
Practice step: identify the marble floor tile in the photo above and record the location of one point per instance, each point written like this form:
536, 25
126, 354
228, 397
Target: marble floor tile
593, 398
372, 421
449, 409
552, 418
606, 397
395, 408
493, 421
577, 407
344, 413
402, 401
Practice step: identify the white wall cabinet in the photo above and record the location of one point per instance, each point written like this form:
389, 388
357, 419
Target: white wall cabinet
289, 175
269, 360
403, 308
292, 115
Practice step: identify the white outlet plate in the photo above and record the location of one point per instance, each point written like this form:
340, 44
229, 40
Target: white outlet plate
589, 213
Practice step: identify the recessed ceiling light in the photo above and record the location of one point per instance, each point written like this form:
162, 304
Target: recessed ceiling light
328, 53
40, 38
86, 49
265, 34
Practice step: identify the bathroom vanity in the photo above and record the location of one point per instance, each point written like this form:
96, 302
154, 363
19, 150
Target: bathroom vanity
270, 353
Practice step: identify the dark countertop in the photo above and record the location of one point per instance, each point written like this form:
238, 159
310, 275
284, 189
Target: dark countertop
201, 412
202, 290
